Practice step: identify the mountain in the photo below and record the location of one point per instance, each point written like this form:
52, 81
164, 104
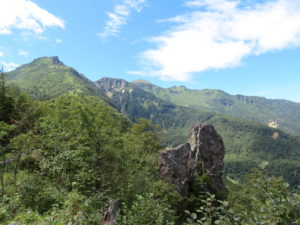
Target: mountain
48, 77
281, 114
136, 103
247, 143
66, 158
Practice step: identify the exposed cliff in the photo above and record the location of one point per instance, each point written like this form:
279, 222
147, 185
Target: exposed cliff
202, 155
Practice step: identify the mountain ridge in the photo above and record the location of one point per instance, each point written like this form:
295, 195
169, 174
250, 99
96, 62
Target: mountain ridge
34, 78
141, 82
247, 143
258, 109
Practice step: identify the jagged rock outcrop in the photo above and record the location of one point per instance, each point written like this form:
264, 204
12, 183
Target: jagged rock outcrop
202, 155
110, 85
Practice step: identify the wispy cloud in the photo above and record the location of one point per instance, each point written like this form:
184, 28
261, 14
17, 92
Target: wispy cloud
23, 53
58, 41
1, 54
218, 34
8, 66
25, 15
119, 17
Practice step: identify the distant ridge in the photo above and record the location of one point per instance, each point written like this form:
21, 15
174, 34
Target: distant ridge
141, 81
258, 109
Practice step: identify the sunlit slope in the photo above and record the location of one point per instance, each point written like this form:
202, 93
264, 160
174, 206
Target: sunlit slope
281, 114
48, 77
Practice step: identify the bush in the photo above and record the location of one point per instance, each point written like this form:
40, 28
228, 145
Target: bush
147, 211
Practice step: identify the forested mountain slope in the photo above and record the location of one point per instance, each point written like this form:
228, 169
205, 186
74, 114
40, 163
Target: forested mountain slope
48, 77
281, 114
63, 159
247, 143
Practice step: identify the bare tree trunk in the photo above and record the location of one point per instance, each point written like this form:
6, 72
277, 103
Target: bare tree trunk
110, 215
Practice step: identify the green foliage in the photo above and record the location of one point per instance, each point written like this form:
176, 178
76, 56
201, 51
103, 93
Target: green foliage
37, 193
261, 200
75, 155
212, 211
147, 211
6, 102
63, 159
6, 132
35, 200
248, 144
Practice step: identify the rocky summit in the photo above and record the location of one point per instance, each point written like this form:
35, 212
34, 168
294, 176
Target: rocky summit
201, 155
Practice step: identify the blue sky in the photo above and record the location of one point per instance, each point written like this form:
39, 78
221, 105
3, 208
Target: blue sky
249, 47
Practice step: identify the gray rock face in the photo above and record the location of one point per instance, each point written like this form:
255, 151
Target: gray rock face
203, 154
111, 85
56, 60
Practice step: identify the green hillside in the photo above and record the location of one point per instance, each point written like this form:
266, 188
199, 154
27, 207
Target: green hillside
48, 77
247, 143
282, 114
66, 159
63, 160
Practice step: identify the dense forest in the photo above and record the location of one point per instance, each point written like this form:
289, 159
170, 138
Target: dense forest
64, 158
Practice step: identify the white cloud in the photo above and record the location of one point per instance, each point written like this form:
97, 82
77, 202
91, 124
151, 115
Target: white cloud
58, 41
8, 66
1, 54
119, 16
26, 15
23, 53
220, 34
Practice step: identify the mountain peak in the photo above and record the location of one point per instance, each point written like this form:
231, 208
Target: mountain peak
109, 79
141, 81
180, 87
145, 85
47, 77
111, 84
49, 60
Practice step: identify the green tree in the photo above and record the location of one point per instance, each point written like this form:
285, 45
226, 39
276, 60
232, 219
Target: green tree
146, 210
6, 102
260, 200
